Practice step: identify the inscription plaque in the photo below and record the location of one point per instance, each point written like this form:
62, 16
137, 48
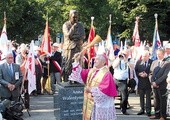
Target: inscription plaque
68, 102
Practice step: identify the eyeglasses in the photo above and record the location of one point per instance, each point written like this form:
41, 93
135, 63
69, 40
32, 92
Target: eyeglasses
9, 57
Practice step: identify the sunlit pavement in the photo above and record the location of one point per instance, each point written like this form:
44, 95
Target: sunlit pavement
42, 108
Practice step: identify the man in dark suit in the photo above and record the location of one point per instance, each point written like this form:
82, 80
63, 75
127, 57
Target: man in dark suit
142, 69
55, 71
10, 79
158, 74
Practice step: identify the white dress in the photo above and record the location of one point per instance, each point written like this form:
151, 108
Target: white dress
104, 108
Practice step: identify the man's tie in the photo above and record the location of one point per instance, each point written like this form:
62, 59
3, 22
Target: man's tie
10, 69
159, 63
157, 68
145, 64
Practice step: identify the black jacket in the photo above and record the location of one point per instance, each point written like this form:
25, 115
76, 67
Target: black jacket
158, 74
143, 83
56, 57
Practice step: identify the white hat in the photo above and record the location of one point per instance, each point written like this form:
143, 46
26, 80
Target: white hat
167, 45
36, 48
56, 44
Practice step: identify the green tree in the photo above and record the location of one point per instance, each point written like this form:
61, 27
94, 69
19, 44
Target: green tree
26, 18
129, 9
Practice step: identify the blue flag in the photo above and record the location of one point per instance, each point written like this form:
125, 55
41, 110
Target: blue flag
156, 41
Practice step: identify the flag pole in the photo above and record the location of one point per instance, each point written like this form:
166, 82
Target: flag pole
89, 58
135, 36
4, 39
48, 67
92, 19
156, 20
153, 43
110, 24
109, 33
137, 20
156, 38
48, 63
4, 17
110, 19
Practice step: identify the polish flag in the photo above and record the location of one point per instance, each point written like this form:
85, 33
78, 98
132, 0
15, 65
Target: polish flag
30, 66
46, 41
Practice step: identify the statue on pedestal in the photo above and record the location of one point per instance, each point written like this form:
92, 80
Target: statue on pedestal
74, 34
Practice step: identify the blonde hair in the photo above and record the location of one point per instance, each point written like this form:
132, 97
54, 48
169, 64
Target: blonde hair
161, 50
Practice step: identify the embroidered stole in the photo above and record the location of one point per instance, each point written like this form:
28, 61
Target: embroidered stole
92, 81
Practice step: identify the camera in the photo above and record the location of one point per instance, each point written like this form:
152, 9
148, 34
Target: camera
26, 52
121, 56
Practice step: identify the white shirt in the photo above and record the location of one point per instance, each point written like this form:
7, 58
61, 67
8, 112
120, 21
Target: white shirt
121, 71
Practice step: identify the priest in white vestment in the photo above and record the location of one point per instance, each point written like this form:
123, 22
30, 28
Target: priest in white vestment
99, 91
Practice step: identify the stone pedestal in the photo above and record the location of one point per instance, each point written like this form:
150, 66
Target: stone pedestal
68, 102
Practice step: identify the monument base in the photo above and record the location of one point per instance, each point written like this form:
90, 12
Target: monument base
69, 84
68, 101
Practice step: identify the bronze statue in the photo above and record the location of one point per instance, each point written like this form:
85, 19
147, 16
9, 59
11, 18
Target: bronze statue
74, 34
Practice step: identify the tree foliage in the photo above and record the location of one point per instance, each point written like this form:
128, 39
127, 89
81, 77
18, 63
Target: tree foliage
26, 18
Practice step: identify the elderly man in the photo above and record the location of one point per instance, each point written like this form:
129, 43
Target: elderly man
10, 79
100, 89
142, 69
74, 34
158, 75
55, 66
168, 95
167, 51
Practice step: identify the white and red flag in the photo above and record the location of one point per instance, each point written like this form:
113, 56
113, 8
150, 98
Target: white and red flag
30, 66
136, 37
109, 44
4, 39
46, 41
91, 53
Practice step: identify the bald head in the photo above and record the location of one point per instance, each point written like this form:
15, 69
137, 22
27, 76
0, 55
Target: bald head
100, 61
104, 58
145, 55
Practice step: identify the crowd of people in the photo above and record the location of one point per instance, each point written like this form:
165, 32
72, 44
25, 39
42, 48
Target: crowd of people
131, 67
19, 57
149, 75
104, 78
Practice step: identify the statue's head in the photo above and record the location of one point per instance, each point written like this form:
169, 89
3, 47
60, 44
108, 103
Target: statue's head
73, 15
